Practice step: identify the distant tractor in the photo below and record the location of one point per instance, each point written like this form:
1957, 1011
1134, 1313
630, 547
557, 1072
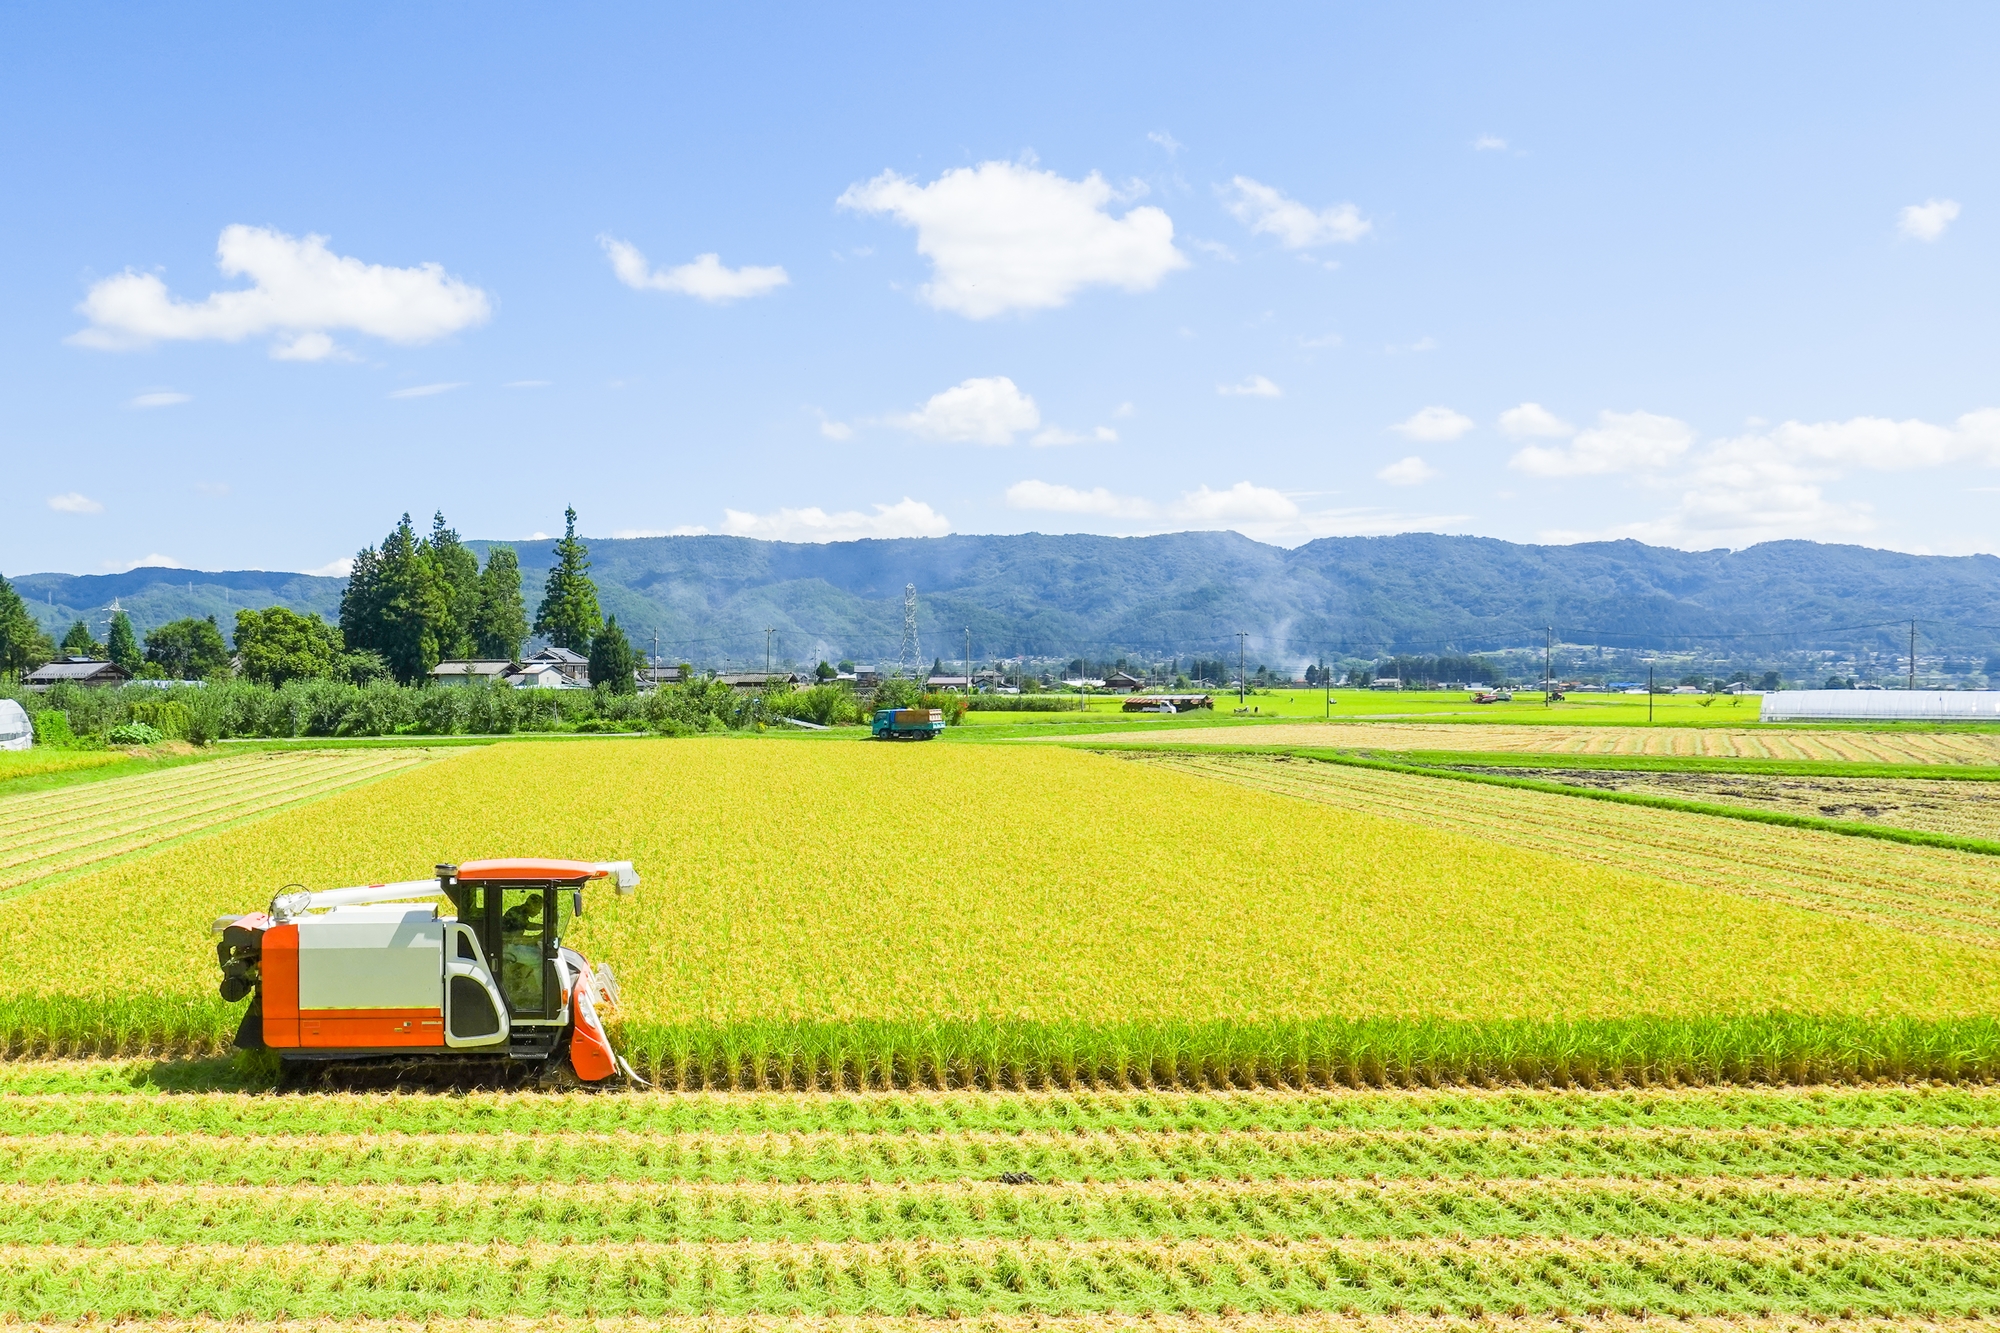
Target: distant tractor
907, 724
346, 974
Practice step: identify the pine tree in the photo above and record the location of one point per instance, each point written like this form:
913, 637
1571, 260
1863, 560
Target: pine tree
611, 662
23, 646
79, 643
568, 616
458, 576
122, 644
501, 624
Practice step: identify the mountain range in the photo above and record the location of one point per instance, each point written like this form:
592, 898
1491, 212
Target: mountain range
711, 599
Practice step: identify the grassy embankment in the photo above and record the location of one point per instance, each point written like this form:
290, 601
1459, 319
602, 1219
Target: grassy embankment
895, 915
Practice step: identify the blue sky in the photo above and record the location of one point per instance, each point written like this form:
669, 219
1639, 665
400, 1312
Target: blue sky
1703, 277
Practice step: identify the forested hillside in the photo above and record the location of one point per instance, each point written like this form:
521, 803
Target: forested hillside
710, 599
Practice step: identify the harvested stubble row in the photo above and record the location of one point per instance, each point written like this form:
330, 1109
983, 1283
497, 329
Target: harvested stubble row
1876, 1201
842, 1212
1684, 742
47, 833
801, 927
1927, 890
1875, 1276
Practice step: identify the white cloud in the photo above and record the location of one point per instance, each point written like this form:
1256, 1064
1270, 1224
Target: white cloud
333, 569
74, 502
1434, 424
984, 411
1770, 483
1411, 471
160, 398
1254, 387
1323, 343
1620, 442
1242, 503
299, 290
908, 518
1003, 236
1271, 212
1424, 344
1166, 141
151, 560
705, 279
1532, 421
835, 430
1489, 143
428, 390
1124, 410
308, 347
1057, 435
1927, 221
1057, 499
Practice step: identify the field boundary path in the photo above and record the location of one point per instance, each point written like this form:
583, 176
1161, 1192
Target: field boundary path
1925, 890
48, 833
1871, 747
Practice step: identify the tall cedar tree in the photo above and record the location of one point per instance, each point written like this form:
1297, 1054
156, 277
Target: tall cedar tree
568, 615
188, 649
458, 572
398, 604
501, 624
79, 643
611, 662
23, 646
122, 644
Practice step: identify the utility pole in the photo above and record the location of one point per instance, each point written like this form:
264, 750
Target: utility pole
1326, 680
1548, 664
767, 652
1913, 653
968, 659
1241, 635
1649, 691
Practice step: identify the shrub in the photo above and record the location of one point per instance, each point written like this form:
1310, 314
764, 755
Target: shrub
52, 729
135, 733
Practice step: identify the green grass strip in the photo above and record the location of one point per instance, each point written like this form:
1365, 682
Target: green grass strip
1660, 763
1882, 832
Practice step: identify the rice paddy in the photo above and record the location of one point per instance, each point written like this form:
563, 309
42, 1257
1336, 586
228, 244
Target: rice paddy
1024, 1038
1875, 747
1961, 809
124, 1202
47, 833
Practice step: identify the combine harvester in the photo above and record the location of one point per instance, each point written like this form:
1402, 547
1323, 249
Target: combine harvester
356, 974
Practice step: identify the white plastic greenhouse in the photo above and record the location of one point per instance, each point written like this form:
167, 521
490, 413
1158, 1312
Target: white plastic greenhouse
1882, 705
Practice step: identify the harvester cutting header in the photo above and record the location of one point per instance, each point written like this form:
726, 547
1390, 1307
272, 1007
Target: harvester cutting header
342, 974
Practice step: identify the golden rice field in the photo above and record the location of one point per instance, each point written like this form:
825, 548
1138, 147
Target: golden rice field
856, 882
1926, 890
51, 832
1682, 742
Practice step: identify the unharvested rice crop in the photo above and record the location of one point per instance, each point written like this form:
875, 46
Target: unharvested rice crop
123, 1202
1873, 747
1961, 809
887, 915
51, 832
1932, 891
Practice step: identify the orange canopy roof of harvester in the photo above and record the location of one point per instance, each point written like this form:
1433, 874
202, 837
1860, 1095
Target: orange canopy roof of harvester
538, 868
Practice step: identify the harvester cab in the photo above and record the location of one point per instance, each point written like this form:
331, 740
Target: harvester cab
344, 974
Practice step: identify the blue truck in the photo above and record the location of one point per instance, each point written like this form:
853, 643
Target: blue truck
907, 724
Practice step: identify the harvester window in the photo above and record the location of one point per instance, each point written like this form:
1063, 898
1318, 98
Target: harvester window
523, 949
